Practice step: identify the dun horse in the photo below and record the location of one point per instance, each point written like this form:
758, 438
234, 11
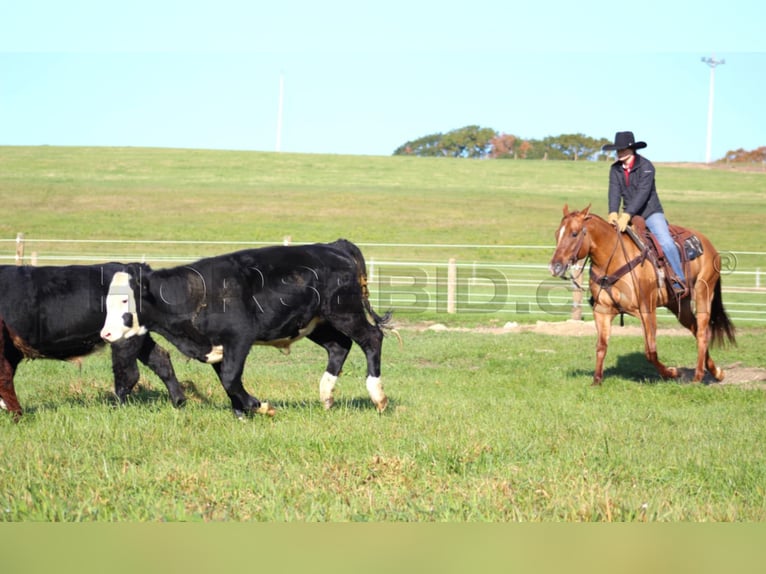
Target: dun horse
623, 279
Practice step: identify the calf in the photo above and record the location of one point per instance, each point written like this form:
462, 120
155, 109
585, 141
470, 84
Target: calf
216, 309
57, 313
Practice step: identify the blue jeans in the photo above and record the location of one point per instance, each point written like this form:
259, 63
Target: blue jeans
658, 225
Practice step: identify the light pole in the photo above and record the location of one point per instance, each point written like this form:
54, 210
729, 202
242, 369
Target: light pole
280, 109
712, 62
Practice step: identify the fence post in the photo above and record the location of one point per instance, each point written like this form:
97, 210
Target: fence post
19, 249
452, 286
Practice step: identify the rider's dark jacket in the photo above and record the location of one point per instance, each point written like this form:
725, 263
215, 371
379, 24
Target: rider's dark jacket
640, 196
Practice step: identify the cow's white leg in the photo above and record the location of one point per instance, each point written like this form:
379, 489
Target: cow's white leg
3, 406
375, 388
215, 355
326, 387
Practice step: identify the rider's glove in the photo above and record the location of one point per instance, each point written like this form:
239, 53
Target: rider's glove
623, 220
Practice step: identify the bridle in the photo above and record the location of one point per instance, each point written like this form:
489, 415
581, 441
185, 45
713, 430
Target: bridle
574, 258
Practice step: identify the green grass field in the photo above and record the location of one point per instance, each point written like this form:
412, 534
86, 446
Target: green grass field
481, 427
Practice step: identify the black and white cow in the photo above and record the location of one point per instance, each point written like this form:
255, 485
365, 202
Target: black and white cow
57, 313
216, 309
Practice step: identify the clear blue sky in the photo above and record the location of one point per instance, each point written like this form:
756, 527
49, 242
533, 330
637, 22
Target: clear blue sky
364, 77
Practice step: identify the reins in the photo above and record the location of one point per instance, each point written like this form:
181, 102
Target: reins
605, 282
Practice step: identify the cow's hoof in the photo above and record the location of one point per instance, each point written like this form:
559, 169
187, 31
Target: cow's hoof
266, 409
382, 404
328, 403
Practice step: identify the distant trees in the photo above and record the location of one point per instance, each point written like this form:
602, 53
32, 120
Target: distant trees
741, 156
477, 142
470, 141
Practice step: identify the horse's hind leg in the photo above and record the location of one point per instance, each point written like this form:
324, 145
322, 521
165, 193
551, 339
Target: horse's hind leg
704, 360
698, 325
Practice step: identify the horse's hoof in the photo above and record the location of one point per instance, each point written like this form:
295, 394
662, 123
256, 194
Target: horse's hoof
719, 374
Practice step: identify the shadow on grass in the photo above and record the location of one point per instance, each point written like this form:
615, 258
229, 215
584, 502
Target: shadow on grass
635, 367
360, 403
154, 399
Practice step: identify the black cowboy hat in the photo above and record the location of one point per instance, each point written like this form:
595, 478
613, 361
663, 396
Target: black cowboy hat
623, 140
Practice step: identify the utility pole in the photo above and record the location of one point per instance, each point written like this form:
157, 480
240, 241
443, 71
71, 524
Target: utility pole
712, 62
279, 112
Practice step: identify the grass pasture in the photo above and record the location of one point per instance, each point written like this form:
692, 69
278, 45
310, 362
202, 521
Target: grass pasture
482, 427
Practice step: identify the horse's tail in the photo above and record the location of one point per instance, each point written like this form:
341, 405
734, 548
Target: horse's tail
721, 327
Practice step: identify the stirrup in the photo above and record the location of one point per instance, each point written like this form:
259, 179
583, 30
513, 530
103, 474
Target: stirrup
679, 288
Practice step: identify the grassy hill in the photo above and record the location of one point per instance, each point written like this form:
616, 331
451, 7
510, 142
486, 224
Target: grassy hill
164, 194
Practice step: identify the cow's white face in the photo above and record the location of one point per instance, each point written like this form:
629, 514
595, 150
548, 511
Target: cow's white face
121, 317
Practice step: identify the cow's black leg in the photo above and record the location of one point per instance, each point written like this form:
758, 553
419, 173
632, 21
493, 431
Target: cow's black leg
337, 346
370, 339
229, 371
372, 344
125, 367
158, 360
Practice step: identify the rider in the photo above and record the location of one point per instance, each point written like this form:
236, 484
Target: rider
631, 181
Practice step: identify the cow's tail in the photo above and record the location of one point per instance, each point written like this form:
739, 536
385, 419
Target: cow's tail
721, 327
385, 321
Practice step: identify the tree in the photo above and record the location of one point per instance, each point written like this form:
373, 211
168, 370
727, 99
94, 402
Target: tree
426, 146
477, 142
502, 146
470, 141
573, 146
741, 156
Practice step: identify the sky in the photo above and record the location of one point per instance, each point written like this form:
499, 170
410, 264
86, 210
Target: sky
357, 77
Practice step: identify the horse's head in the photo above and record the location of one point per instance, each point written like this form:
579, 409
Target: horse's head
570, 241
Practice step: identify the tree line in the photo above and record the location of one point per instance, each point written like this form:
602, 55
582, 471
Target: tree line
743, 156
478, 142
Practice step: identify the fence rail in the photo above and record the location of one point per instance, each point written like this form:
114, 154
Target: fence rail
505, 290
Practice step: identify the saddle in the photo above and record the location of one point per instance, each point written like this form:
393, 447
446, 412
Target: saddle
689, 246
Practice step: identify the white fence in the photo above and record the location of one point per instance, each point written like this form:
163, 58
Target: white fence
504, 288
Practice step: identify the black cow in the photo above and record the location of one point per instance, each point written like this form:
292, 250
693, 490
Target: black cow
57, 313
216, 309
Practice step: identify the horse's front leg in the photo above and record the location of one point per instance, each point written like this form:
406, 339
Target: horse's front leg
649, 324
603, 330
